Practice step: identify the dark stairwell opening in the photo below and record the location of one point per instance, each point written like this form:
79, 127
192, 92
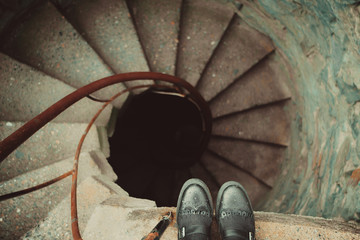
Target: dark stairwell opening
157, 138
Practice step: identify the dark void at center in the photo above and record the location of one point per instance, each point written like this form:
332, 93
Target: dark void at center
157, 138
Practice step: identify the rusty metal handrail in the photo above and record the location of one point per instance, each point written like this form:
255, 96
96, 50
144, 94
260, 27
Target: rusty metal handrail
74, 216
27, 130
10, 143
37, 187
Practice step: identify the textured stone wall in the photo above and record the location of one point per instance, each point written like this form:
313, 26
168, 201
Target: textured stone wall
321, 41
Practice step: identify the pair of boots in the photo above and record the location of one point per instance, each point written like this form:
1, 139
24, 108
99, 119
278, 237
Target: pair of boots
234, 212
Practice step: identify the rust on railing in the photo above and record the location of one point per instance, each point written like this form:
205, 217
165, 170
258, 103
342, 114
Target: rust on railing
37, 187
74, 215
10, 143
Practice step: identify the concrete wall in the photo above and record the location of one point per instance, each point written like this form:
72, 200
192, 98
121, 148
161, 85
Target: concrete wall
321, 41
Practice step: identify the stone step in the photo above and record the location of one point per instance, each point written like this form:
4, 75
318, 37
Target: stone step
52, 143
136, 222
262, 160
240, 48
126, 218
157, 24
46, 41
108, 28
283, 226
104, 140
202, 25
267, 124
90, 193
27, 210
103, 164
223, 172
264, 83
26, 92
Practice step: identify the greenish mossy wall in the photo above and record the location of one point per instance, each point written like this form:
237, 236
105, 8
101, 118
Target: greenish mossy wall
320, 39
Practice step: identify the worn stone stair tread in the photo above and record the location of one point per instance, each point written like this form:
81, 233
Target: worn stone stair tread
240, 48
104, 140
136, 218
262, 160
36, 91
268, 124
102, 163
274, 226
108, 28
27, 210
271, 225
224, 172
198, 171
202, 25
91, 192
268, 225
158, 31
264, 83
46, 41
52, 143
87, 164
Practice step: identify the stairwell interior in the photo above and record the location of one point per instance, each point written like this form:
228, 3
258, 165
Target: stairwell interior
281, 80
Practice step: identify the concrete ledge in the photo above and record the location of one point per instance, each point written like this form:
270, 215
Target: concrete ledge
57, 225
103, 164
281, 226
118, 222
20, 214
52, 143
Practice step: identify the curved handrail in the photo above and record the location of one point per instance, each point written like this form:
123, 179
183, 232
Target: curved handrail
27, 130
13, 141
74, 215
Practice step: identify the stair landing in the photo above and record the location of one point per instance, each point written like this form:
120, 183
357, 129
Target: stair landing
117, 222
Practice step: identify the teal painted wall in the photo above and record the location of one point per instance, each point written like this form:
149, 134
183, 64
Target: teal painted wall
320, 39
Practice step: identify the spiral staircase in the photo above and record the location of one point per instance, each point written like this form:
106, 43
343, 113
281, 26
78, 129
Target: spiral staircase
56, 47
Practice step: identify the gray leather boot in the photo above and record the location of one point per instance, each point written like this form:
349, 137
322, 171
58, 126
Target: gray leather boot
194, 211
234, 213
